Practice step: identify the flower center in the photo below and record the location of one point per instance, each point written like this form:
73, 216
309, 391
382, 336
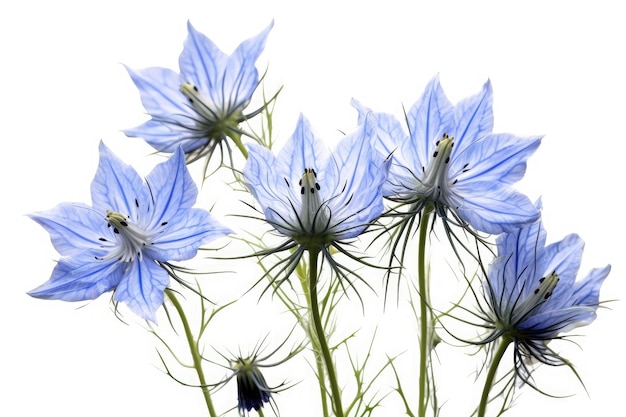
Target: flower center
218, 120
314, 216
199, 102
131, 238
523, 307
434, 183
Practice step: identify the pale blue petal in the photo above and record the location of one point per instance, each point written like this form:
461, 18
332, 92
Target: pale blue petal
172, 189
390, 139
201, 63
473, 118
271, 187
142, 288
500, 275
73, 227
166, 137
496, 157
519, 255
242, 77
80, 278
161, 95
548, 323
116, 186
494, 209
524, 248
587, 291
303, 151
358, 172
361, 110
181, 239
564, 258
429, 118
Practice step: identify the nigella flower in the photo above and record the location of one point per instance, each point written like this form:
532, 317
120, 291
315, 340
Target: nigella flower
451, 161
533, 295
125, 239
316, 199
203, 105
253, 390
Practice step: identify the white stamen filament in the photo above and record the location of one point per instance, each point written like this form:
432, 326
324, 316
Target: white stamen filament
538, 296
131, 238
435, 178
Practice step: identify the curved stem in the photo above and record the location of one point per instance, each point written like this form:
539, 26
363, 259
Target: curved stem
195, 352
425, 336
491, 375
236, 137
321, 336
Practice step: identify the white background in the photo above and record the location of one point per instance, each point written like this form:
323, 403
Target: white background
557, 69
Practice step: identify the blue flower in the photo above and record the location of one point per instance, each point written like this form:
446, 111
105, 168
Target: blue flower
453, 162
203, 105
131, 231
317, 199
533, 296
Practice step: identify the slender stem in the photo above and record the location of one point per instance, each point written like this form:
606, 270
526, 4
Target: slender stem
321, 337
319, 362
425, 336
236, 137
195, 352
491, 375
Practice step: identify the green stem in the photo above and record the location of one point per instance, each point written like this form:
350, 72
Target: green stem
425, 336
320, 371
491, 375
195, 352
319, 361
236, 137
321, 337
